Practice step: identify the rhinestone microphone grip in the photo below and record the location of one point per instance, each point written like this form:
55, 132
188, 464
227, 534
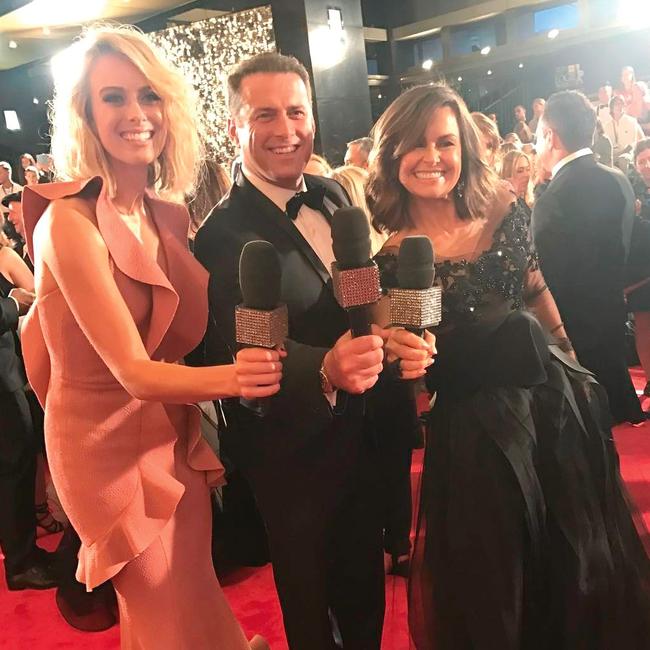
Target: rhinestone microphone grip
356, 287
261, 328
416, 309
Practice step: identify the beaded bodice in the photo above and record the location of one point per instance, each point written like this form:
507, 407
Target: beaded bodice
471, 289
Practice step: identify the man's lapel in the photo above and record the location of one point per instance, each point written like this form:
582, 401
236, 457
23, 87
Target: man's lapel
273, 215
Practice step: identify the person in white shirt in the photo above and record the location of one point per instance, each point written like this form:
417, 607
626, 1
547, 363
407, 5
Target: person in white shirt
623, 132
7, 186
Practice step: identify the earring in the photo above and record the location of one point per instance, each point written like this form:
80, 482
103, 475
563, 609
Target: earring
460, 189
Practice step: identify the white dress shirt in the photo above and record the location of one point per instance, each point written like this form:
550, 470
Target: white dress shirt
312, 224
624, 133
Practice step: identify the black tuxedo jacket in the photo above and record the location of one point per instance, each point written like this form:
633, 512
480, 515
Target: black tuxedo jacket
300, 414
12, 376
581, 229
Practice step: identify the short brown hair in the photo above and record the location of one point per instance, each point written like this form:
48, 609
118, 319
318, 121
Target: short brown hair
398, 131
570, 114
269, 62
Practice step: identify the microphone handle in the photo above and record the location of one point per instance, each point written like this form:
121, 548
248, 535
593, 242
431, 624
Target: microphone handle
260, 406
416, 331
360, 320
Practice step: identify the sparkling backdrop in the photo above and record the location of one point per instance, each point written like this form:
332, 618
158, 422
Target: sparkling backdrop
206, 51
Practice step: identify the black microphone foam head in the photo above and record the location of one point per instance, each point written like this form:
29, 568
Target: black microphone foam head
260, 275
350, 237
415, 263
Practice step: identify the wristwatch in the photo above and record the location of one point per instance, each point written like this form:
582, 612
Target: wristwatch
325, 384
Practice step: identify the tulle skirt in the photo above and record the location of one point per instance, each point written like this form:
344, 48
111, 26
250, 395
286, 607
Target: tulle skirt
526, 538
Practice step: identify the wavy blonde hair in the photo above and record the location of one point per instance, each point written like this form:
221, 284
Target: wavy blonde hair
508, 166
77, 151
353, 180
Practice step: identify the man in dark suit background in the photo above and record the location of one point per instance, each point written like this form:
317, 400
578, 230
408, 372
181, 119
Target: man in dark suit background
582, 226
311, 461
26, 565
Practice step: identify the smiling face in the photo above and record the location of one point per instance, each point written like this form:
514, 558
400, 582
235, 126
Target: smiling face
274, 127
432, 169
127, 114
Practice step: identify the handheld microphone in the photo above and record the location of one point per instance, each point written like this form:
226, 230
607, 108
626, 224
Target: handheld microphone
260, 321
355, 275
416, 304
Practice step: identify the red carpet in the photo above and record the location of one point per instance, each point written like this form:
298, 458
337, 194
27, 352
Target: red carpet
29, 619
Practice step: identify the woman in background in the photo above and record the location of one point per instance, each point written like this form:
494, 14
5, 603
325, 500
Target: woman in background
318, 166
214, 183
105, 340
354, 179
517, 169
490, 138
26, 160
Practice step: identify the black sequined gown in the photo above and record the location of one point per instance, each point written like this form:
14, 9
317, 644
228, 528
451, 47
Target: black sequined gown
526, 539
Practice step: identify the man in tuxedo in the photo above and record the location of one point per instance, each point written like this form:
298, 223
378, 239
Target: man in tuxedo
26, 565
312, 460
582, 226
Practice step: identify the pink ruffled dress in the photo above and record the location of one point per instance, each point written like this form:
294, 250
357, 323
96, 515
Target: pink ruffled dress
133, 476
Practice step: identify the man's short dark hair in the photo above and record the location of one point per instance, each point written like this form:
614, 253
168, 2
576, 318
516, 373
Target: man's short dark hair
14, 197
570, 114
364, 144
269, 62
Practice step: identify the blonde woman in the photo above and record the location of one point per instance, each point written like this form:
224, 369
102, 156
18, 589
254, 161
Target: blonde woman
318, 166
354, 179
517, 169
489, 133
119, 302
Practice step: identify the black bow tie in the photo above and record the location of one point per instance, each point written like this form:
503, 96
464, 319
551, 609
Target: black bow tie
312, 198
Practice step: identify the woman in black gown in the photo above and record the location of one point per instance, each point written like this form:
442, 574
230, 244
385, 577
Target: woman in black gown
526, 539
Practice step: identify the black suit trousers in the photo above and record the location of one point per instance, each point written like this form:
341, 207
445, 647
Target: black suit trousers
325, 531
608, 363
17, 479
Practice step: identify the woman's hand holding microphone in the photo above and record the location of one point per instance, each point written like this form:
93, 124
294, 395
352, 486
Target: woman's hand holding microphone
258, 372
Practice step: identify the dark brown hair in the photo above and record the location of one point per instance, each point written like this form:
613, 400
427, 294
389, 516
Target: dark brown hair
400, 130
269, 62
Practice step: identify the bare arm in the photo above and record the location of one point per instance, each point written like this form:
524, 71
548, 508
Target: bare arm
88, 287
541, 303
13, 267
